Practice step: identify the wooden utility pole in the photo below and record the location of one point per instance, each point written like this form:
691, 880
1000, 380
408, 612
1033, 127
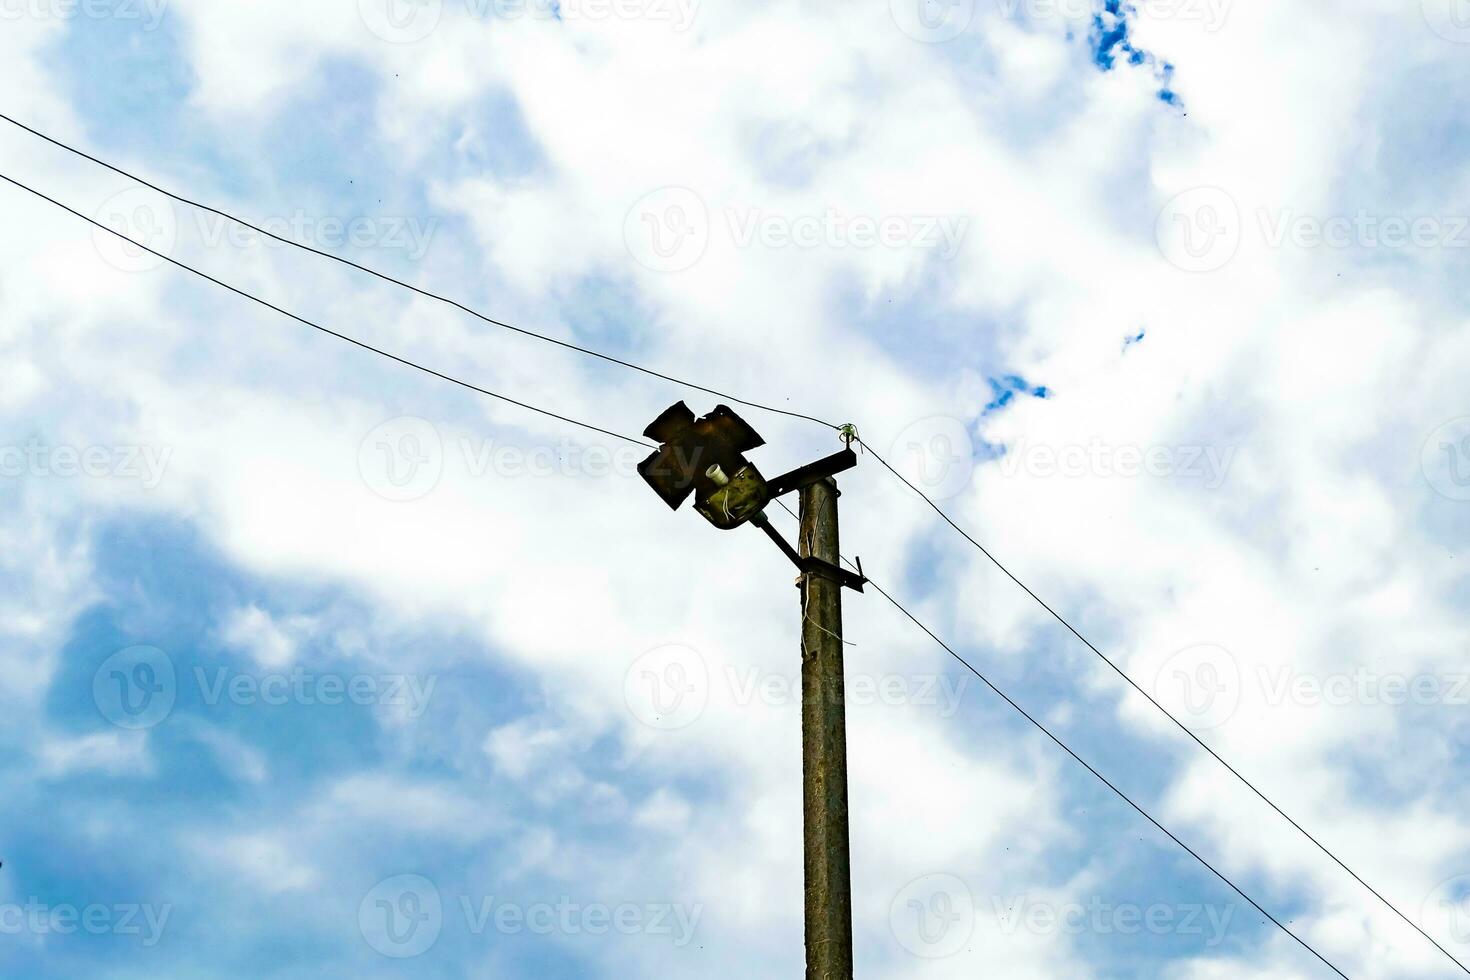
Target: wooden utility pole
824, 742
705, 458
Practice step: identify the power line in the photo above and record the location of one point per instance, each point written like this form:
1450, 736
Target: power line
1104, 780
326, 330
665, 377
1086, 765
465, 384
1154, 701
409, 286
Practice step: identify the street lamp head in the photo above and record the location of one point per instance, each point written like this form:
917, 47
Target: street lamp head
705, 457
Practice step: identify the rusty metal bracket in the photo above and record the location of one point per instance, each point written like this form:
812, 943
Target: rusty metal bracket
812, 472
812, 565
838, 574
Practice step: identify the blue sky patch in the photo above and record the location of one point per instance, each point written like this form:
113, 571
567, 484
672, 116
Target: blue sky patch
1005, 389
1111, 41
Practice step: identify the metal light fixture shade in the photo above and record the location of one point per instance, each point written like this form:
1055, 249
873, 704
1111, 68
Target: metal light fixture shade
706, 457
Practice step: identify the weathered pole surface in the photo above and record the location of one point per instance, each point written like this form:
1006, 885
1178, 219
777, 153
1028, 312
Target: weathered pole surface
824, 745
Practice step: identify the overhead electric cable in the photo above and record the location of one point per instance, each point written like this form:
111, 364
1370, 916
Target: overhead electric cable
1154, 701
409, 286
326, 330
674, 380
1106, 782
1084, 763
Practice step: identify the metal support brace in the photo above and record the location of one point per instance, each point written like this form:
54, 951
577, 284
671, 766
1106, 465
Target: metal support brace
812, 565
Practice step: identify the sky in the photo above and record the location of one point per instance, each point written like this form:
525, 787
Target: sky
313, 665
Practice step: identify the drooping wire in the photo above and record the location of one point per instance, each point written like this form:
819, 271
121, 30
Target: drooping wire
1105, 781
409, 286
672, 379
1088, 766
326, 330
1154, 701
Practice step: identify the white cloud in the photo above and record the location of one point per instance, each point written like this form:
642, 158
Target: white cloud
269, 863
1321, 371
664, 811
114, 753
252, 629
417, 807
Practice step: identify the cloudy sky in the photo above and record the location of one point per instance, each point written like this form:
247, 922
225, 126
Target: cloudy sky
316, 666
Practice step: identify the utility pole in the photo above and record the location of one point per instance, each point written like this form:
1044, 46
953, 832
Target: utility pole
824, 743
705, 458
